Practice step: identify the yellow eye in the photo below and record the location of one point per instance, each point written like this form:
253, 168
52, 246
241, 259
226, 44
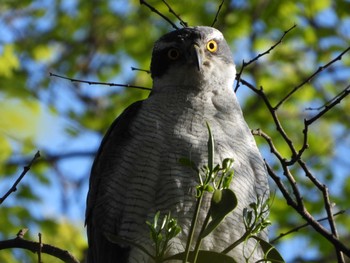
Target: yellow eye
212, 46
173, 54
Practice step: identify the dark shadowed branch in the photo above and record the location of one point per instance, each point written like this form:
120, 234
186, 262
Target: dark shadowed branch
182, 22
217, 13
37, 247
25, 170
142, 2
296, 229
337, 99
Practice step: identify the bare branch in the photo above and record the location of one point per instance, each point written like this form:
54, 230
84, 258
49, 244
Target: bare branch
52, 157
296, 229
19, 242
100, 83
182, 22
337, 99
245, 64
299, 200
306, 215
321, 68
331, 221
217, 13
25, 170
142, 2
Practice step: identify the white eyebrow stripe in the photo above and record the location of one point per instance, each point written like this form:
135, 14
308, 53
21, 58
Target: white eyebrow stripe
215, 35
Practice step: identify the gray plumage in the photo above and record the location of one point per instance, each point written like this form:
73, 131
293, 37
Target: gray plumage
137, 173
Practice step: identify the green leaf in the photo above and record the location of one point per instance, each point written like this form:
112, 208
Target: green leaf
204, 257
222, 203
270, 252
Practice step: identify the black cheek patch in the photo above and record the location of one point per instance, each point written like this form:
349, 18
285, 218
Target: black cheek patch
160, 64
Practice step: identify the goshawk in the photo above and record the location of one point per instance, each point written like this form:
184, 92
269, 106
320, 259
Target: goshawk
137, 171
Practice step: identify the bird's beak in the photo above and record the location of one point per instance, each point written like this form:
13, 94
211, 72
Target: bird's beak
196, 55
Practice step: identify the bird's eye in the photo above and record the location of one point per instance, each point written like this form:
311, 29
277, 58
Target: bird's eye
173, 54
212, 46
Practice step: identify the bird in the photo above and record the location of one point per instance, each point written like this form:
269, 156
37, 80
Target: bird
137, 172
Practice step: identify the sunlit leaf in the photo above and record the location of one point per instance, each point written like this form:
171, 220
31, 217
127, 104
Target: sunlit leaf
222, 203
8, 61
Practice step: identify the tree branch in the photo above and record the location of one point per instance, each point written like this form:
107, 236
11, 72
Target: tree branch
246, 64
217, 13
308, 79
100, 83
337, 99
296, 229
182, 22
25, 170
35, 247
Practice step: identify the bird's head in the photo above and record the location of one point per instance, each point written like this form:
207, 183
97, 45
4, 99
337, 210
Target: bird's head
192, 58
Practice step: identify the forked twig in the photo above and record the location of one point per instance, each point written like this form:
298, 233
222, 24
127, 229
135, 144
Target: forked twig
245, 64
182, 22
308, 79
100, 83
296, 229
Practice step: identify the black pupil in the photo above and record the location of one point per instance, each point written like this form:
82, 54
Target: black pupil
211, 45
173, 53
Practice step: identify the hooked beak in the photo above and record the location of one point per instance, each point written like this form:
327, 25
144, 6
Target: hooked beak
196, 55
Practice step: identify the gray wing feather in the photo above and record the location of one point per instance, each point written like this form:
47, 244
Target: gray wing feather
100, 249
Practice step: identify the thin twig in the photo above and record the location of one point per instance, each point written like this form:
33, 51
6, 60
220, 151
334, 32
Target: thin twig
140, 69
182, 22
22, 232
40, 245
272, 47
24, 172
337, 99
245, 64
278, 124
99, 83
308, 79
142, 2
329, 102
331, 221
296, 229
217, 13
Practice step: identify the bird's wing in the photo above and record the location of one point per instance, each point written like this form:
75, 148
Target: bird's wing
114, 138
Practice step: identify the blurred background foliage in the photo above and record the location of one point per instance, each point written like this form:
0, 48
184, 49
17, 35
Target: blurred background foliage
101, 41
